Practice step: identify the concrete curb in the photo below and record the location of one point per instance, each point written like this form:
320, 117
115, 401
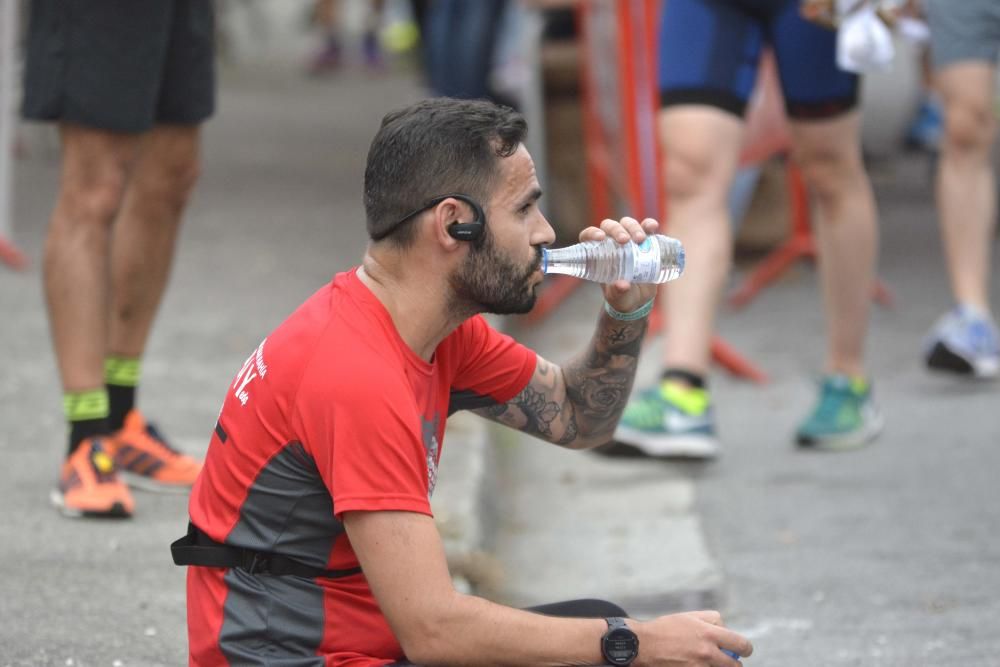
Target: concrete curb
457, 503
525, 523
572, 524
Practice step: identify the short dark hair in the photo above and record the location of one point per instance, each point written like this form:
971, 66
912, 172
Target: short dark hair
432, 148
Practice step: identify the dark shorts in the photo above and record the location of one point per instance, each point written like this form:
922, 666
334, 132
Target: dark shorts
710, 50
120, 65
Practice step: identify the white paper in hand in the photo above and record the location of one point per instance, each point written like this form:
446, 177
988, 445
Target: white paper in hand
864, 42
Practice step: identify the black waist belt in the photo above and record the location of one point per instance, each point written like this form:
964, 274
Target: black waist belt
197, 548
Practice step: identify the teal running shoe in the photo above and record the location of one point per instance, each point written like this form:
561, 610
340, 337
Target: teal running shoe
670, 420
845, 416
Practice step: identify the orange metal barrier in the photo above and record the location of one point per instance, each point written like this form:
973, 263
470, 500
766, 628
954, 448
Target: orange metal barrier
11, 256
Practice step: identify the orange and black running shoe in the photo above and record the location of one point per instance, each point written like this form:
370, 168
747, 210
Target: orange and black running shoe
89, 485
146, 461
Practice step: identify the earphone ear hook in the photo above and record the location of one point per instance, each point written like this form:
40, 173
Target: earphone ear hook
463, 231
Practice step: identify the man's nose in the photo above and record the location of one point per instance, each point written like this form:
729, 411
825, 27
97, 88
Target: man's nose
543, 234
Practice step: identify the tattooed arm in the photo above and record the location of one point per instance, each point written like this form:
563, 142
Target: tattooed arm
578, 405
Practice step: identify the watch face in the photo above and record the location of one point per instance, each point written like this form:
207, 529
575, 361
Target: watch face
620, 646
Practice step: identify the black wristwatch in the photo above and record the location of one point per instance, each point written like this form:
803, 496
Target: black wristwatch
619, 645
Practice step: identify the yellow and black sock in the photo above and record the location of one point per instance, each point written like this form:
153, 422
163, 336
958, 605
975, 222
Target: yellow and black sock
696, 380
87, 414
121, 375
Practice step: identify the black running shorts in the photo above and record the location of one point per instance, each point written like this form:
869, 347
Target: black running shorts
120, 65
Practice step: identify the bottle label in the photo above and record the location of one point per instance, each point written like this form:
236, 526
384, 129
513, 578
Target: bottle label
647, 262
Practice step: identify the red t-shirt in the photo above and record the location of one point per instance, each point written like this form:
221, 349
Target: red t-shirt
332, 412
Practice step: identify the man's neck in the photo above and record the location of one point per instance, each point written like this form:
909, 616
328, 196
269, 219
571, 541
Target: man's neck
417, 300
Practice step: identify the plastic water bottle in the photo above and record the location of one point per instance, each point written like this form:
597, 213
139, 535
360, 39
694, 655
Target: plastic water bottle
656, 260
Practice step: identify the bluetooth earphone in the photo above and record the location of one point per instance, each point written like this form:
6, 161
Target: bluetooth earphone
463, 231
466, 231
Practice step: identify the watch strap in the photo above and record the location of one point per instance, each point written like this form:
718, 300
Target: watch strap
616, 622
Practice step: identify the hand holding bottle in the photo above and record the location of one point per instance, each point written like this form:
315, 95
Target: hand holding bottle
622, 295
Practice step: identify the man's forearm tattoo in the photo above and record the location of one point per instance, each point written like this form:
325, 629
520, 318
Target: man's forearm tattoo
618, 335
583, 402
598, 383
540, 408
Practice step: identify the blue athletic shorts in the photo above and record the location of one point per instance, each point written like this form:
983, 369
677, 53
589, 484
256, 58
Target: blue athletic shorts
710, 49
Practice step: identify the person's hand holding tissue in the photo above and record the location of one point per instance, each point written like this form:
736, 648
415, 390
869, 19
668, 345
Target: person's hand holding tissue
864, 42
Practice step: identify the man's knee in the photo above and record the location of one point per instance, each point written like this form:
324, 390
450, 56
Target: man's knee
94, 173
93, 199
173, 181
969, 126
694, 172
829, 170
169, 168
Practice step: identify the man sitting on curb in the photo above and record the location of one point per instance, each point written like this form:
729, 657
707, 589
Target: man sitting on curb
311, 539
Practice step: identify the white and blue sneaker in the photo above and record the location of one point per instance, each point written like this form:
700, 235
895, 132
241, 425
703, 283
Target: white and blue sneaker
964, 341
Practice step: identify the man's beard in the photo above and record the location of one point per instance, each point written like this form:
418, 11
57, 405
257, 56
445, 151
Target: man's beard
490, 282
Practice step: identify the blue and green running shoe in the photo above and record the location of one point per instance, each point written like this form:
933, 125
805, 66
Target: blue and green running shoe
670, 420
845, 417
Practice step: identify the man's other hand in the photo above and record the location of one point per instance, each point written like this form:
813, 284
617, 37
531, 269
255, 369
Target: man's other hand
692, 639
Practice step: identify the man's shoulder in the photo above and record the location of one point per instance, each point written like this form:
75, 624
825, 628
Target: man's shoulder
345, 348
329, 323
298, 334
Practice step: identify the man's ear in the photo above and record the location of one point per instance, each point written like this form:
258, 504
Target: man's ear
445, 215
468, 229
